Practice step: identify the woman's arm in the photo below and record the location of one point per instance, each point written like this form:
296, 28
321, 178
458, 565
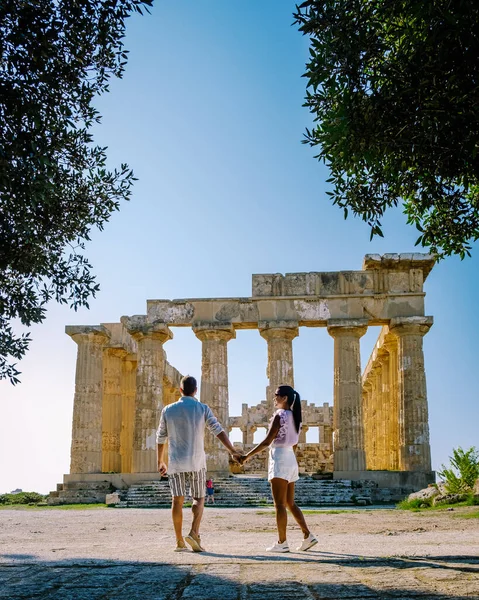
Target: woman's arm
272, 433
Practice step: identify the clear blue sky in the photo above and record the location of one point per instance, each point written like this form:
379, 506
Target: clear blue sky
209, 115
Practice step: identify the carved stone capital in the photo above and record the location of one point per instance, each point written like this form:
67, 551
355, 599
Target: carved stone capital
117, 351
93, 334
347, 327
284, 330
139, 328
214, 331
382, 355
401, 326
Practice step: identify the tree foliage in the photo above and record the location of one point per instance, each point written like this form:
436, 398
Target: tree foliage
56, 56
463, 471
394, 89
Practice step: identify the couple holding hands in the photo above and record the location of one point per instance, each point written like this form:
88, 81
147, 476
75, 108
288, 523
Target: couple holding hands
183, 425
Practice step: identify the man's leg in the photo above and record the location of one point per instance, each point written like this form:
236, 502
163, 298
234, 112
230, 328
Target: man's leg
197, 509
177, 487
177, 514
197, 481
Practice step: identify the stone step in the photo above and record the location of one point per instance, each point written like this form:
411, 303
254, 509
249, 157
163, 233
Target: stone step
90, 485
249, 491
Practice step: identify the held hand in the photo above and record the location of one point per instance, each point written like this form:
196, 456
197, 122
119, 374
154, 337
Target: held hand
237, 456
162, 468
243, 459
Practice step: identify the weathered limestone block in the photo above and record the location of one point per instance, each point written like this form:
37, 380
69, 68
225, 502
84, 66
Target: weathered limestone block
415, 452
349, 452
113, 499
214, 386
426, 494
448, 499
86, 449
279, 336
150, 338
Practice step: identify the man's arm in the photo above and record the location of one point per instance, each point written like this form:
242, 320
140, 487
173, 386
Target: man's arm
162, 468
225, 440
215, 428
161, 437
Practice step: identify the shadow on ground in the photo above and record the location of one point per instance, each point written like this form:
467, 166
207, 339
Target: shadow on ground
315, 576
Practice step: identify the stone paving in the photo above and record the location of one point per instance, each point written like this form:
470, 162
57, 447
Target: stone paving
389, 556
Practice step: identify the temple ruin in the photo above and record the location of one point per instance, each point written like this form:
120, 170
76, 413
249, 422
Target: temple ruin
377, 428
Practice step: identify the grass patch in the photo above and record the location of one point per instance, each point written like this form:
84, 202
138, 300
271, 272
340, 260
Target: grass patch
468, 515
426, 505
59, 507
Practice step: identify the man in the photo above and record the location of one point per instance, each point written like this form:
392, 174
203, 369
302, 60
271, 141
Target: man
183, 424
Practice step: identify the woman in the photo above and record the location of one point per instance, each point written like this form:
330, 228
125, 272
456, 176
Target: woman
283, 435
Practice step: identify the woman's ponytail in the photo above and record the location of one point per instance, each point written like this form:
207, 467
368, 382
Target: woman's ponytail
294, 403
296, 409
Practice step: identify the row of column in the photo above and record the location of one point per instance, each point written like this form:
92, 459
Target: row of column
385, 425
106, 380
395, 401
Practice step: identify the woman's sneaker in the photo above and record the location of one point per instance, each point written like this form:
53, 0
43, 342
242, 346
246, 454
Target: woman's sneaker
278, 547
307, 543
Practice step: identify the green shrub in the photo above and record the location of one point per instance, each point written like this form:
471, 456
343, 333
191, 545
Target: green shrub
463, 471
414, 504
22, 498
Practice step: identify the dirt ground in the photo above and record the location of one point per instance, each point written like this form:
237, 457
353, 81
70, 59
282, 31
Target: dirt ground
361, 554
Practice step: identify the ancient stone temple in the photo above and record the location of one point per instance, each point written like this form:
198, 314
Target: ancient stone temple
377, 428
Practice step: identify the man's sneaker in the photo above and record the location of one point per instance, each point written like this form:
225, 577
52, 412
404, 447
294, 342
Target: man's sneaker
180, 547
278, 547
307, 543
194, 542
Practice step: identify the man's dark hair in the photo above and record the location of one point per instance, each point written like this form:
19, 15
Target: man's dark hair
188, 385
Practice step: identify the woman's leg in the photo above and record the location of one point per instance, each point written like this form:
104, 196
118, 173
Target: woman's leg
295, 510
279, 489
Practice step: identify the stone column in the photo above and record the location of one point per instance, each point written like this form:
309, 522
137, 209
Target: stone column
374, 414
279, 336
390, 344
367, 421
214, 387
302, 435
128, 399
415, 451
349, 452
150, 338
383, 410
87, 404
248, 434
112, 401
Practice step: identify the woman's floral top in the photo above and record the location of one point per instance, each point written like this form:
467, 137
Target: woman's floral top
287, 434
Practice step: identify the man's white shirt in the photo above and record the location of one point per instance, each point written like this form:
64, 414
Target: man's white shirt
183, 425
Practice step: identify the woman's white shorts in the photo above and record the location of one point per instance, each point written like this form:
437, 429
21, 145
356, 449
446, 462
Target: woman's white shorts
283, 464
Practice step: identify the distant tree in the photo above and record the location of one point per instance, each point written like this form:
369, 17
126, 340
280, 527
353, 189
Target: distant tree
56, 56
394, 89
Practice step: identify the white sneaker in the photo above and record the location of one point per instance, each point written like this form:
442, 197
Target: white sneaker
278, 547
308, 543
